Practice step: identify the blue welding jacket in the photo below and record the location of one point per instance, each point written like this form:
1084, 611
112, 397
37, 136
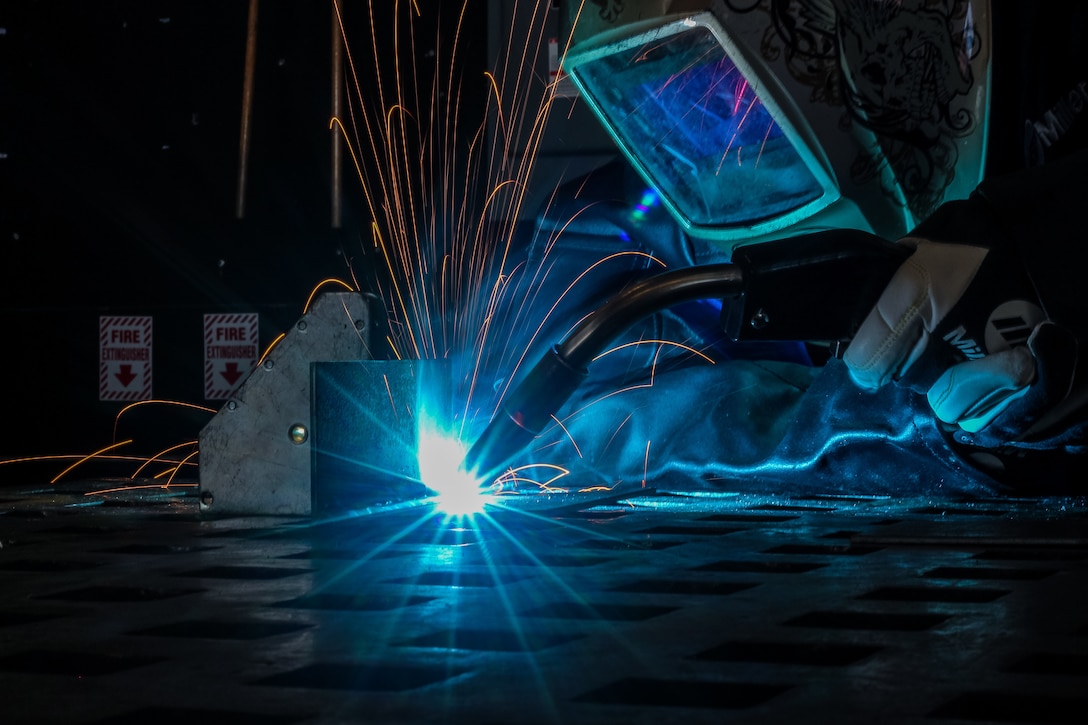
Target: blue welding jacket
727, 416
735, 415
759, 427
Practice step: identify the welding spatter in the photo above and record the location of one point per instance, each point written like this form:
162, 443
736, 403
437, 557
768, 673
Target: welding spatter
815, 288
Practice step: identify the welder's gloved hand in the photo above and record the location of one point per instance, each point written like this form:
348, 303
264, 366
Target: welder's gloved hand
1009, 393
962, 322
947, 326
916, 301
972, 393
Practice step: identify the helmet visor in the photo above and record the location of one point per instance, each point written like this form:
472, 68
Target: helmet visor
699, 125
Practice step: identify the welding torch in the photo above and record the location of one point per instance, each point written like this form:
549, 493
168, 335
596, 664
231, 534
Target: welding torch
815, 288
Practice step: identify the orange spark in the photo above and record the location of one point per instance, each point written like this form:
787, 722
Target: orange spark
121, 489
572, 441
158, 456
139, 403
680, 345
88, 457
319, 286
271, 346
646, 464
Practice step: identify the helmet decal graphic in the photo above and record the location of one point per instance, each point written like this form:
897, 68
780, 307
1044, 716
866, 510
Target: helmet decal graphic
900, 68
610, 9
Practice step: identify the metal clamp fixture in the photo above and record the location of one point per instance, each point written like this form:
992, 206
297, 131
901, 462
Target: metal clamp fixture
255, 454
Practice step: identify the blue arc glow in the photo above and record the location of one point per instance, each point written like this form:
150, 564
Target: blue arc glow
441, 458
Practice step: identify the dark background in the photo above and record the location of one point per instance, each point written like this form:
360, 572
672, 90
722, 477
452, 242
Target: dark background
119, 156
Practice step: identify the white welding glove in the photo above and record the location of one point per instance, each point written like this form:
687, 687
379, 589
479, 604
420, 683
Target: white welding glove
962, 322
917, 299
963, 338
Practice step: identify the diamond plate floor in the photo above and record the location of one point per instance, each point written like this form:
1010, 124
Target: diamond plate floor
659, 608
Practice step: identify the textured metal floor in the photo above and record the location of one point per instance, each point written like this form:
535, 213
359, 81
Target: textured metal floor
658, 609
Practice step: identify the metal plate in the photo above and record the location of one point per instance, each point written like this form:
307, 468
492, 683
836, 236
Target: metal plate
660, 608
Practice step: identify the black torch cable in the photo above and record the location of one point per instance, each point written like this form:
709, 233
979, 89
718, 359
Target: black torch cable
589, 338
531, 405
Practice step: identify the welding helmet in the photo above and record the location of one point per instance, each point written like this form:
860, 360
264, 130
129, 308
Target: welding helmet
758, 119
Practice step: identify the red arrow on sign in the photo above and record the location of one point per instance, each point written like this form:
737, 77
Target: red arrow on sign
126, 375
232, 373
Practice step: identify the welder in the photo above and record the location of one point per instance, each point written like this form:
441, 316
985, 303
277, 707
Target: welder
956, 129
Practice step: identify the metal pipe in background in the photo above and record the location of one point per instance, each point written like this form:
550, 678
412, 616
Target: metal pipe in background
337, 105
247, 109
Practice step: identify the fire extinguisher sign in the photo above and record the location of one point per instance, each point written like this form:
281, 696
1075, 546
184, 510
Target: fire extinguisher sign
230, 352
124, 357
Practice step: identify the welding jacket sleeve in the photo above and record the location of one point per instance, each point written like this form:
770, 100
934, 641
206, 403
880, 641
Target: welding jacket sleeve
987, 317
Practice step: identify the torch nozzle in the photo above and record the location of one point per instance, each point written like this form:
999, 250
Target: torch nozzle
526, 412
